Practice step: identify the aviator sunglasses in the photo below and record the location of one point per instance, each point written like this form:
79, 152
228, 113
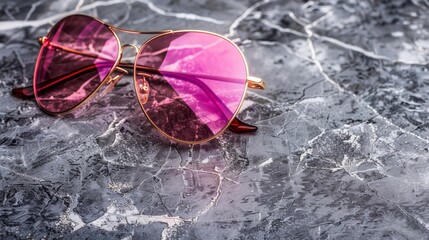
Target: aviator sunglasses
190, 84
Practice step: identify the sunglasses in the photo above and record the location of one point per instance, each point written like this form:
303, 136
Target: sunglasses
190, 84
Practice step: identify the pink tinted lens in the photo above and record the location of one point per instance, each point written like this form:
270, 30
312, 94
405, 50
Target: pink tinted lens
190, 84
76, 56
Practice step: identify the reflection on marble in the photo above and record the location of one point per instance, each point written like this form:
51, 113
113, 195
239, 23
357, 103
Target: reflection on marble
341, 152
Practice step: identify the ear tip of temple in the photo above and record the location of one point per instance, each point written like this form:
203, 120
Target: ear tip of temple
238, 126
23, 93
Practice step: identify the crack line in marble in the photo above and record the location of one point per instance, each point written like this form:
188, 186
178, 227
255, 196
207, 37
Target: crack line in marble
283, 29
122, 21
340, 88
114, 125
243, 16
336, 42
419, 221
79, 5
23, 174
13, 25
33, 8
417, 3
188, 16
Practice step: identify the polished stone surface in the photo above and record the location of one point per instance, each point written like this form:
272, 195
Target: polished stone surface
341, 152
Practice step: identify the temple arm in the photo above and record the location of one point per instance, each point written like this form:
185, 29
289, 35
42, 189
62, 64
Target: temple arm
24, 92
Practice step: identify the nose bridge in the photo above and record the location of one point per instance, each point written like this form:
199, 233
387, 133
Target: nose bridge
136, 49
112, 81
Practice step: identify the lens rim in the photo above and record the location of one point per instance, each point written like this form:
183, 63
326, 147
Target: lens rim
91, 95
236, 111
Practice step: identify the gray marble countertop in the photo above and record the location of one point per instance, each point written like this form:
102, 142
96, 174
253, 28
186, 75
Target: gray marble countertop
341, 151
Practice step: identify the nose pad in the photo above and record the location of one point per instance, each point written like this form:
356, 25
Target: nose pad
111, 83
142, 88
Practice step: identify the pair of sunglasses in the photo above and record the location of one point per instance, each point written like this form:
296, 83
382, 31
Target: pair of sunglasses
190, 84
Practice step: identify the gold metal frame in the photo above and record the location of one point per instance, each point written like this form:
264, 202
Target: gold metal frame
251, 82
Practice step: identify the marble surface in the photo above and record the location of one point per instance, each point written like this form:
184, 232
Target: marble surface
341, 151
